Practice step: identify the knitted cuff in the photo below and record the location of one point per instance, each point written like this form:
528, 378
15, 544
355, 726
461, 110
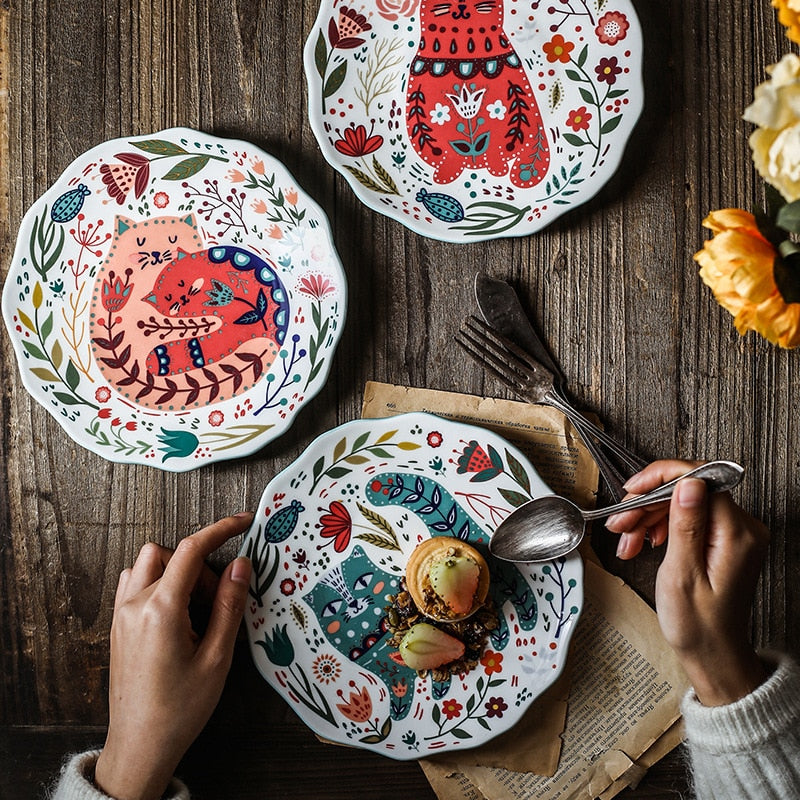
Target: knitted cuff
77, 781
768, 712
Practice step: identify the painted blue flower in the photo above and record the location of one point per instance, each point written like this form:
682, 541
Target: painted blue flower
278, 647
177, 444
220, 295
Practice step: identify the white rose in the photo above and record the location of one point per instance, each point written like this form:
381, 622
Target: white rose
776, 112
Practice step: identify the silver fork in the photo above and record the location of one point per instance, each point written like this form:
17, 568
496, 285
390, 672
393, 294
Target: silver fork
534, 383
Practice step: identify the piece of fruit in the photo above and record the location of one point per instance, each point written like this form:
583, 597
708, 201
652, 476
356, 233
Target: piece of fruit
441, 578
426, 647
455, 580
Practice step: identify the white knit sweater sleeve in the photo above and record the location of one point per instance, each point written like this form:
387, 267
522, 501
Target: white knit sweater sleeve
750, 748
75, 782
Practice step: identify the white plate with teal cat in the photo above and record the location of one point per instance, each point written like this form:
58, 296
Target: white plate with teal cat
474, 119
331, 540
174, 299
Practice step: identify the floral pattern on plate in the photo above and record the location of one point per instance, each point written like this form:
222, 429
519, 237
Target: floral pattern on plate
330, 541
174, 299
473, 119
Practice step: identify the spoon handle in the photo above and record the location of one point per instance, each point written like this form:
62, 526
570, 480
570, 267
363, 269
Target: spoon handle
719, 475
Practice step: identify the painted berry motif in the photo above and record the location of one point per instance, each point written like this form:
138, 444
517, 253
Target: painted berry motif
469, 103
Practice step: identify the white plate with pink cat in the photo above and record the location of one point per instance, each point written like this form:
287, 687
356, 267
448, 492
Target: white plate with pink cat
174, 299
474, 119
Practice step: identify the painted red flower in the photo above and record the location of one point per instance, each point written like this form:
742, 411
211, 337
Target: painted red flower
104, 413
161, 200
103, 394
359, 706
435, 439
345, 33
356, 142
115, 294
132, 173
400, 688
495, 707
558, 49
607, 70
216, 418
612, 27
476, 460
288, 586
451, 708
579, 119
337, 525
130, 425
492, 662
316, 286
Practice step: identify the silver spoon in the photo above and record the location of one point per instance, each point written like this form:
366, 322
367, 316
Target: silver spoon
552, 526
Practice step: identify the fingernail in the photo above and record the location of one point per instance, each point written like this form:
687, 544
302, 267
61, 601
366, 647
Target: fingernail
623, 546
240, 571
612, 521
243, 514
690, 493
632, 482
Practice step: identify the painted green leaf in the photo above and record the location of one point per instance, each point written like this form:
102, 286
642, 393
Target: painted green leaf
45, 375
56, 354
66, 399
34, 351
160, 147
574, 140
186, 168
338, 472
335, 80
72, 376
581, 60
518, 471
338, 451
47, 327
321, 55
513, 497
586, 95
610, 124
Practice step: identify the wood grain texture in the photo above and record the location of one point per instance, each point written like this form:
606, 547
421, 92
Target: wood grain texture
612, 285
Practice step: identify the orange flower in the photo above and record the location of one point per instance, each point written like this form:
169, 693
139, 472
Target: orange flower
359, 706
738, 263
275, 232
789, 17
492, 662
235, 176
558, 49
259, 206
258, 167
291, 196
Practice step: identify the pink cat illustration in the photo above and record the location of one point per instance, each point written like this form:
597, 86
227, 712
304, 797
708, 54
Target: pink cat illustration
469, 104
174, 324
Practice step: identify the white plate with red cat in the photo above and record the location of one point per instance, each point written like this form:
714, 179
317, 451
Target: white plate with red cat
474, 119
174, 299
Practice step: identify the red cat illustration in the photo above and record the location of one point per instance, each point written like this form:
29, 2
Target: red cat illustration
469, 104
211, 302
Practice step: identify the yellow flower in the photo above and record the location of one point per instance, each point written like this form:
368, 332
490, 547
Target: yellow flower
789, 17
776, 142
737, 263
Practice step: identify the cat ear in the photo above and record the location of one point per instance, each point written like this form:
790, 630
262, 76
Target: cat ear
181, 254
190, 220
151, 298
122, 224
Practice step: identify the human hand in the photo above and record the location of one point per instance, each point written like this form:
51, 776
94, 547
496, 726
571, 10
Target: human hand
165, 680
706, 582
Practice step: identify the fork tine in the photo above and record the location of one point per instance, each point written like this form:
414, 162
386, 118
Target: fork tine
486, 358
488, 333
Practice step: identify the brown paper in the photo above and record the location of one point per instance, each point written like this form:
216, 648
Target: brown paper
623, 714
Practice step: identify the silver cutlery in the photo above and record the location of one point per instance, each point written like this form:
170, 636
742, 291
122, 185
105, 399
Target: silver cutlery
532, 382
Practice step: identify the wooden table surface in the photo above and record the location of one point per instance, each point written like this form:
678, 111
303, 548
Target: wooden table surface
612, 284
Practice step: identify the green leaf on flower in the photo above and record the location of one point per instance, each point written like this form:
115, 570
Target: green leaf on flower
335, 80
47, 327
587, 95
610, 124
321, 55
788, 217
186, 168
460, 734
34, 351
45, 375
67, 399
581, 60
160, 147
72, 377
574, 140
518, 471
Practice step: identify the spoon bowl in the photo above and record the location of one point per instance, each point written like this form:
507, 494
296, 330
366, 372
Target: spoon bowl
552, 526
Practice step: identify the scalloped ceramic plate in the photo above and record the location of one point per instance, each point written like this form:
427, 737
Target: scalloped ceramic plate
476, 119
331, 540
174, 299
